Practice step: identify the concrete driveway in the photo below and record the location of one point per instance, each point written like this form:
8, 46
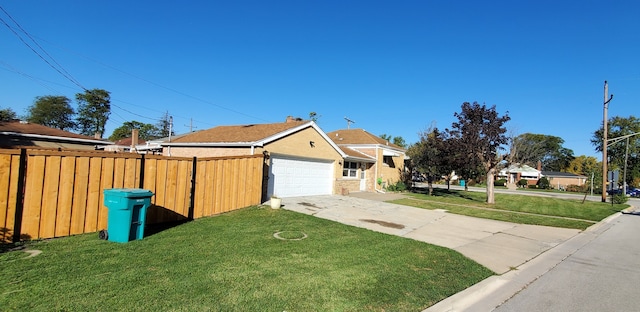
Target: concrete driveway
499, 246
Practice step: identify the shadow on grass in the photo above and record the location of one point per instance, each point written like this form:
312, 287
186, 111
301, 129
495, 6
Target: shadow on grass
440, 192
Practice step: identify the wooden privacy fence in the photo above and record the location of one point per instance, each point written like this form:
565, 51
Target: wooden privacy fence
47, 194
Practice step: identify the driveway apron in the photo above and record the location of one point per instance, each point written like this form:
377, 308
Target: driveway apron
499, 246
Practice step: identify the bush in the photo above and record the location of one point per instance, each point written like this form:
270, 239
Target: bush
544, 184
398, 187
523, 183
619, 198
500, 182
470, 182
576, 188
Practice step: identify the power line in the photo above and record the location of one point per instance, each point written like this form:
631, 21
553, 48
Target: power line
59, 69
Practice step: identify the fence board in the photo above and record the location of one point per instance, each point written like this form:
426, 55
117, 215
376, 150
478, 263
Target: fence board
65, 196
94, 194
80, 194
10, 162
33, 196
106, 182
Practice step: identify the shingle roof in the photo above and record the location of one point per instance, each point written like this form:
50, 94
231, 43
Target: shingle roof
240, 133
351, 153
562, 174
358, 136
21, 127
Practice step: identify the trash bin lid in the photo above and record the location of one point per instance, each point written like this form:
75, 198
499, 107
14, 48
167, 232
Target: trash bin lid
128, 192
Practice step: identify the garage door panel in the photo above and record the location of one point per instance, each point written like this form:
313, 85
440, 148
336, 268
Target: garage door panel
300, 177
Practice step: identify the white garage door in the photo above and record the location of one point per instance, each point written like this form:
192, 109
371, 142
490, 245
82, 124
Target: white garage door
290, 177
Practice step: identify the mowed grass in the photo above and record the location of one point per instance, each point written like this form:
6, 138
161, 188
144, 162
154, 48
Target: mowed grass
516, 208
233, 262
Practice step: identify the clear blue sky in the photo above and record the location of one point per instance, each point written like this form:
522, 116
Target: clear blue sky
394, 67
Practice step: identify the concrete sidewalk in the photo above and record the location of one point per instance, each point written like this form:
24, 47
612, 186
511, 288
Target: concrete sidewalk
499, 246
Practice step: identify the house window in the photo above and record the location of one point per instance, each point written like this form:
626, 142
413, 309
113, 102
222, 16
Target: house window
350, 169
388, 160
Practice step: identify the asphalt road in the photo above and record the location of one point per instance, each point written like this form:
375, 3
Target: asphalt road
603, 275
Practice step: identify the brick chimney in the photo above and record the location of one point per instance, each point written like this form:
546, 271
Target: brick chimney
539, 165
289, 119
134, 139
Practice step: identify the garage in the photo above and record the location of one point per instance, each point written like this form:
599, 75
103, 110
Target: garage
289, 177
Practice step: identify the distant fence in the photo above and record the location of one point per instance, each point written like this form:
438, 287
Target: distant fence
45, 194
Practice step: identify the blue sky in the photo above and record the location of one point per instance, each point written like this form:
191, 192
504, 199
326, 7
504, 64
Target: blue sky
394, 67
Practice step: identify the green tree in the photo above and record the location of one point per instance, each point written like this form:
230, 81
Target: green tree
145, 131
429, 155
53, 111
479, 136
397, 140
314, 116
165, 126
529, 148
94, 108
7, 114
626, 147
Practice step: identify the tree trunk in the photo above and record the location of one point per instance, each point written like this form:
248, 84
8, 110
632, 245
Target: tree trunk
490, 189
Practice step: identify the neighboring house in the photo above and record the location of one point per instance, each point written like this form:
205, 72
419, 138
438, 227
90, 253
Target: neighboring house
515, 173
370, 159
560, 180
126, 145
302, 160
21, 134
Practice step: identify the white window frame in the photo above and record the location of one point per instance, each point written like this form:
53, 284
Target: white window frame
350, 170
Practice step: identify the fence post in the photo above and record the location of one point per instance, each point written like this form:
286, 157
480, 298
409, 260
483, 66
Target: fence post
22, 176
141, 185
192, 200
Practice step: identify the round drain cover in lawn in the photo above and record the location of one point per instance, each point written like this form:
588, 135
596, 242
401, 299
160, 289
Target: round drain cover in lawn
290, 235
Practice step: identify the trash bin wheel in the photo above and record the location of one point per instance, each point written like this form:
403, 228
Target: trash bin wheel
103, 234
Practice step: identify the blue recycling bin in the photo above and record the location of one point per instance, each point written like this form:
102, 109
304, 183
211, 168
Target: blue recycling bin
462, 182
127, 213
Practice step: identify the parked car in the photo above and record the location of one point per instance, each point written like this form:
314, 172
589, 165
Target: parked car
614, 191
634, 192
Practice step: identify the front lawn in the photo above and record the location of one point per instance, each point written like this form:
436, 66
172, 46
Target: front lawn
516, 208
233, 262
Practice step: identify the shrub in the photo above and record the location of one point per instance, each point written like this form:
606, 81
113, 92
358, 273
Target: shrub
619, 198
523, 183
500, 182
398, 187
470, 182
543, 183
576, 188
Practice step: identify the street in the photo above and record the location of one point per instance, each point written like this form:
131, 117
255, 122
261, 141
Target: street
603, 275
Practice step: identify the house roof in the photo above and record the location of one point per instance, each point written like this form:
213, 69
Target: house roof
127, 142
36, 132
558, 174
239, 133
355, 155
359, 137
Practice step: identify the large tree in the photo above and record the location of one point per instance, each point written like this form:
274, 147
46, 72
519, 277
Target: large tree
529, 148
7, 114
430, 155
94, 108
53, 111
625, 145
145, 131
479, 136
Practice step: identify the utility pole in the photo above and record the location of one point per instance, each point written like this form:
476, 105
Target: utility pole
191, 125
605, 143
349, 122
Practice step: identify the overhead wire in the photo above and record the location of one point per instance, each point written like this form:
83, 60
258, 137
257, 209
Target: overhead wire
60, 69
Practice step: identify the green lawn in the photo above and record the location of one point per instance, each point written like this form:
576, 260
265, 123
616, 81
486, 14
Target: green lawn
516, 208
233, 262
